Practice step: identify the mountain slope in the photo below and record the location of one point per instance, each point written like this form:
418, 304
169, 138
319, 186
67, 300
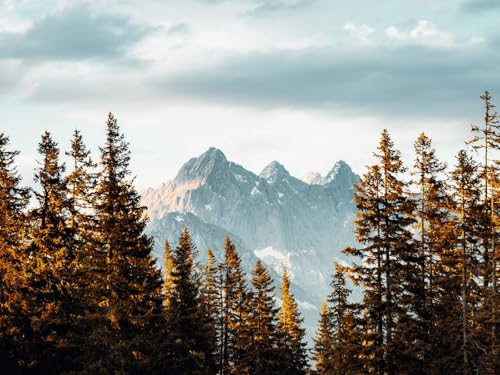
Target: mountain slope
275, 216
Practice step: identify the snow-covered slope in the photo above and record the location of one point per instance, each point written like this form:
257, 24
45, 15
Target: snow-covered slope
274, 216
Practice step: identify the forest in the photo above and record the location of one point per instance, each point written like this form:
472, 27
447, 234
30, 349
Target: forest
82, 293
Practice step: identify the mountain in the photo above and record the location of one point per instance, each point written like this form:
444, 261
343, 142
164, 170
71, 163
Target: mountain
313, 178
273, 216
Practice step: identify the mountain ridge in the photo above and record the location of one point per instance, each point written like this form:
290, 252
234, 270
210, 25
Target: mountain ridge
273, 216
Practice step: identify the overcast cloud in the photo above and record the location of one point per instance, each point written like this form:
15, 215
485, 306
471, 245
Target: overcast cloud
237, 74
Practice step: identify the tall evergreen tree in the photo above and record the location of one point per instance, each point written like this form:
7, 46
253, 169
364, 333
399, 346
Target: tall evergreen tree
262, 356
128, 279
292, 348
212, 299
81, 220
345, 335
13, 201
51, 261
369, 273
467, 192
388, 256
486, 138
188, 326
235, 335
433, 229
323, 343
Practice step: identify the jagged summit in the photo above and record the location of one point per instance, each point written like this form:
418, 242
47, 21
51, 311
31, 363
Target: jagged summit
340, 170
274, 172
199, 168
275, 216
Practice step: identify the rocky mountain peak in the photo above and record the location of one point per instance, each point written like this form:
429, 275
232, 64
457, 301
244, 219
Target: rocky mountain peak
340, 170
197, 169
274, 172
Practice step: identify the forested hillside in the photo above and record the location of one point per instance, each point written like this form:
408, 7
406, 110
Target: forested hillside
81, 291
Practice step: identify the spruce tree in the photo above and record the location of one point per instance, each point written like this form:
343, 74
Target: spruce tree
188, 325
346, 345
486, 139
369, 273
235, 335
389, 261
81, 220
292, 348
128, 280
212, 299
52, 259
323, 343
466, 190
434, 237
13, 224
262, 356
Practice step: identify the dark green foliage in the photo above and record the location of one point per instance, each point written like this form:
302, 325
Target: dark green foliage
235, 336
126, 280
261, 354
212, 299
189, 325
51, 262
389, 258
323, 342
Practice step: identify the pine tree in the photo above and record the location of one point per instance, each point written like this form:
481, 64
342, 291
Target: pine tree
189, 328
323, 343
388, 257
51, 262
13, 224
433, 228
467, 192
128, 280
261, 355
346, 346
212, 299
293, 356
369, 274
235, 335
486, 138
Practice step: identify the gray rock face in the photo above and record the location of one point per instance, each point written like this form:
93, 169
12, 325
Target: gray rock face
274, 216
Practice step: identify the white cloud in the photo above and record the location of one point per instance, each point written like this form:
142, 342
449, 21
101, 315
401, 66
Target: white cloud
361, 32
425, 32
9, 25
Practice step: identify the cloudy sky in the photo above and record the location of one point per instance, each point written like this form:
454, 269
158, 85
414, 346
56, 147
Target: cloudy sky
305, 82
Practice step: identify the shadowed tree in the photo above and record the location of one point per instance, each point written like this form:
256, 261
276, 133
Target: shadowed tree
13, 201
389, 260
189, 327
127, 280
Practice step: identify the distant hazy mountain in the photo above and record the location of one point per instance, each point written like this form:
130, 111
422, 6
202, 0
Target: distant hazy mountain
285, 221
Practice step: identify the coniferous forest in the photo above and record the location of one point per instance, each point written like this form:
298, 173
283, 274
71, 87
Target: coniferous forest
81, 293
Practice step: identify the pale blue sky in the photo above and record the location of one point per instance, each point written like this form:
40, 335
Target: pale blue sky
305, 82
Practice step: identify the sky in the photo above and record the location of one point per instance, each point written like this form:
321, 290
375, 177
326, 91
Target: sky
304, 82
